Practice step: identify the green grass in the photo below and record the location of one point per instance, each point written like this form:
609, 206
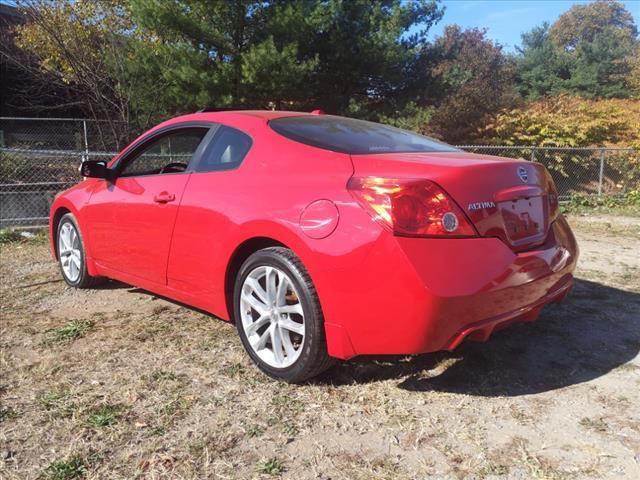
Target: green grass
104, 415
71, 467
254, 431
233, 370
174, 408
7, 413
162, 376
58, 403
271, 466
9, 236
493, 470
69, 332
290, 429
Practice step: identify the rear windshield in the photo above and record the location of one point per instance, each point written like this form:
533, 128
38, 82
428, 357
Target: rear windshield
347, 135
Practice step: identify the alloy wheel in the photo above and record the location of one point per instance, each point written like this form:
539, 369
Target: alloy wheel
272, 316
69, 251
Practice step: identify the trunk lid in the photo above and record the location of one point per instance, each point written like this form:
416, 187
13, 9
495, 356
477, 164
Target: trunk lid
504, 198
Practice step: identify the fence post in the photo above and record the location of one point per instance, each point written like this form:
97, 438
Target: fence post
601, 176
533, 154
86, 141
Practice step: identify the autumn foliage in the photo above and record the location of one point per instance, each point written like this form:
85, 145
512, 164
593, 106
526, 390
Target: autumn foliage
567, 121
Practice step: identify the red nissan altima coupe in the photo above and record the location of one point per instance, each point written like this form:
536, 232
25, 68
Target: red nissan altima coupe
320, 236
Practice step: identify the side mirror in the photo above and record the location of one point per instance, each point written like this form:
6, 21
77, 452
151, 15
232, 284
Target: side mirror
94, 169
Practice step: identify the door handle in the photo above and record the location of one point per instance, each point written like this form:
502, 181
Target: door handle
164, 197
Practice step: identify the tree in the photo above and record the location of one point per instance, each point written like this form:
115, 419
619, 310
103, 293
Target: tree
585, 23
474, 78
92, 48
541, 68
588, 52
326, 54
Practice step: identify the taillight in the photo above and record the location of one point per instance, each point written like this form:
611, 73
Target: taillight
409, 207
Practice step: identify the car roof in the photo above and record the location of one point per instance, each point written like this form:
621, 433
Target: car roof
264, 114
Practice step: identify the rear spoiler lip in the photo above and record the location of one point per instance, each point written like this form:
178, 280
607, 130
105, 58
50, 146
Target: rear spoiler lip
517, 193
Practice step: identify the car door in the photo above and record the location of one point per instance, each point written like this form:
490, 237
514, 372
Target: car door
208, 211
132, 217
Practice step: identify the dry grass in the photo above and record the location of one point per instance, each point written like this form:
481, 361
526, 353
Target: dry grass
115, 383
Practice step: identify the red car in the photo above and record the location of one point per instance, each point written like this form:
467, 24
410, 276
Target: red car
320, 236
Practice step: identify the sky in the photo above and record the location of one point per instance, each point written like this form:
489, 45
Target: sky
505, 20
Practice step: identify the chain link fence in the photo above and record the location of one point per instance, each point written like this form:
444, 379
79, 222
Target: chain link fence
39, 158
578, 171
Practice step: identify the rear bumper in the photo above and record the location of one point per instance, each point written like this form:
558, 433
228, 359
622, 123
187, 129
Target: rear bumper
423, 295
482, 330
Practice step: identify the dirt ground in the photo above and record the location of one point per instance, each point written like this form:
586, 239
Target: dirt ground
116, 383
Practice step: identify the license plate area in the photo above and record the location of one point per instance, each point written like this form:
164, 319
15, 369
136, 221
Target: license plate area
524, 219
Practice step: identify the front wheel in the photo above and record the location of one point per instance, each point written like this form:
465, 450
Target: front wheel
278, 316
71, 254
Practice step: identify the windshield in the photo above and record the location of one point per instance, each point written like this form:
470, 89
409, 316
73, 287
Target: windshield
347, 135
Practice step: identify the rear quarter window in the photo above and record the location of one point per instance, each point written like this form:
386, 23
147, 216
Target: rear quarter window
226, 151
348, 135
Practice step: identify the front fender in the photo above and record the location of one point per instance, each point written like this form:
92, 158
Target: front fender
71, 201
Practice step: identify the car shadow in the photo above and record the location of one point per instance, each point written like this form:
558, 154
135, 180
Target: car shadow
596, 330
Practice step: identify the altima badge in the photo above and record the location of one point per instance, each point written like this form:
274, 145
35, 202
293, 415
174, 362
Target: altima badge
480, 206
522, 173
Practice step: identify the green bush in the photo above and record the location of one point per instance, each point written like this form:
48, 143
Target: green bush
628, 204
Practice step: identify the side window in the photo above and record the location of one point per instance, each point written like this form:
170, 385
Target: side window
170, 153
227, 150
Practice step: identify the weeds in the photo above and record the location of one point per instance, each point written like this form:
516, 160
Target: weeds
7, 413
597, 424
58, 403
69, 332
9, 236
493, 470
104, 415
174, 408
626, 204
70, 468
290, 429
254, 431
159, 376
271, 466
233, 370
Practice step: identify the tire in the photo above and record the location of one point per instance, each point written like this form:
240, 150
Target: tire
73, 265
292, 324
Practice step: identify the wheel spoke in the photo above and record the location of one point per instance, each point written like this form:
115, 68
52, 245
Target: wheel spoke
64, 237
292, 326
258, 290
254, 303
257, 324
282, 290
276, 345
76, 260
72, 268
270, 279
261, 341
296, 308
286, 342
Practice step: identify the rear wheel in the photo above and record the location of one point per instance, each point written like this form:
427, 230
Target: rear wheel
278, 316
71, 254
